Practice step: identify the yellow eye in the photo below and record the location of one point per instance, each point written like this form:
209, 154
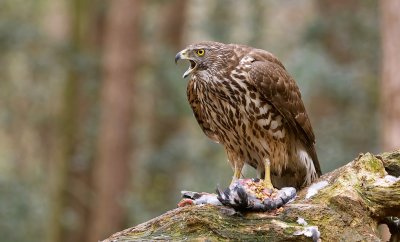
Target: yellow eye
200, 52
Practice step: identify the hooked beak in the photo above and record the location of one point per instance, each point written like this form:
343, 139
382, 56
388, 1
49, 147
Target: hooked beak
183, 55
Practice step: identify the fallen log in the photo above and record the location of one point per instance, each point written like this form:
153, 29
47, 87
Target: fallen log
346, 204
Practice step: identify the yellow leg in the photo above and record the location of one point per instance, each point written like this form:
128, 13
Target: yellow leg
267, 178
237, 174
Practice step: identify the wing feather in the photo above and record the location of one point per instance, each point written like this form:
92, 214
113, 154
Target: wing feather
272, 80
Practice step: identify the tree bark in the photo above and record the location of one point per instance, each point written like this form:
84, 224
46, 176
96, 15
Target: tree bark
355, 198
111, 169
390, 83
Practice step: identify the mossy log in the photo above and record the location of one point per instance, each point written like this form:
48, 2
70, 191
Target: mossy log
346, 204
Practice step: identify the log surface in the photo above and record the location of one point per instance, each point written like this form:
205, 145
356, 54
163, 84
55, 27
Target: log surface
347, 205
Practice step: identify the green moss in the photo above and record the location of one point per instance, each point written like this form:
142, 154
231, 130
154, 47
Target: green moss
372, 164
290, 230
392, 156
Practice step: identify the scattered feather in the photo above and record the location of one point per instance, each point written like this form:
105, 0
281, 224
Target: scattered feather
301, 221
386, 181
314, 188
311, 232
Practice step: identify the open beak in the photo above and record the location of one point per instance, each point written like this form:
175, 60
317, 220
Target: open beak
183, 55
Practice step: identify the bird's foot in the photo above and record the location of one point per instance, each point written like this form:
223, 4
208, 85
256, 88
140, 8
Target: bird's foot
251, 195
242, 195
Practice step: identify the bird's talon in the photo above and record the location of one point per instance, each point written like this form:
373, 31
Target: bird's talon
249, 195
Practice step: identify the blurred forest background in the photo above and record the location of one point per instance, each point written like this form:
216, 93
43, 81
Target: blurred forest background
96, 134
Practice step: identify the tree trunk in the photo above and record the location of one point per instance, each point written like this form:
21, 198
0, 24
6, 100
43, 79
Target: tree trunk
171, 24
172, 21
348, 206
67, 131
111, 169
390, 80
390, 83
